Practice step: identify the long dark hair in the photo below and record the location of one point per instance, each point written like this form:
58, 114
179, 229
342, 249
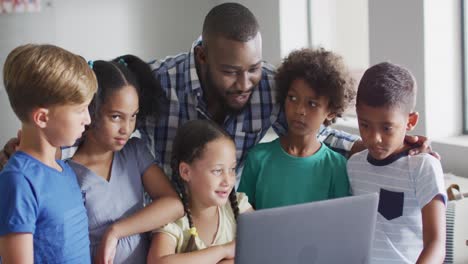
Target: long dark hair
126, 70
190, 141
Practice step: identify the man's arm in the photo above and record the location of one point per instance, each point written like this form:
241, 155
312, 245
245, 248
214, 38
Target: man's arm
340, 141
348, 144
17, 248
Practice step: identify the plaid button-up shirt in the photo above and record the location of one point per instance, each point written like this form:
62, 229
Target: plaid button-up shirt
186, 101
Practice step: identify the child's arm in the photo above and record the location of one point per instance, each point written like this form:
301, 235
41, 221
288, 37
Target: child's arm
166, 207
226, 261
17, 248
433, 218
162, 251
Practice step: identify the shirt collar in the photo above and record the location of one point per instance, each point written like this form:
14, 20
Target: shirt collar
388, 160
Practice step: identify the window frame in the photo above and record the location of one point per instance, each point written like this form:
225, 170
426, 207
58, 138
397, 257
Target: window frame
464, 66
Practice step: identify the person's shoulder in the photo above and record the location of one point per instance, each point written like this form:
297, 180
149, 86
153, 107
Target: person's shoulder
267, 82
177, 227
241, 197
9, 176
243, 202
424, 158
268, 69
423, 162
19, 170
262, 149
133, 143
330, 154
168, 62
358, 156
134, 149
22, 163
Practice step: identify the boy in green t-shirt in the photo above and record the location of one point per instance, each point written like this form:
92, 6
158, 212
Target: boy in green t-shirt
315, 88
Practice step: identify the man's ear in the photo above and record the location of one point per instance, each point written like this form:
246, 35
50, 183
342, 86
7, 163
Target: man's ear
184, 171
40, 116
413, 118
200, 54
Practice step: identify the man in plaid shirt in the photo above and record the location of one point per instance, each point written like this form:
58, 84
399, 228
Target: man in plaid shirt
223, 78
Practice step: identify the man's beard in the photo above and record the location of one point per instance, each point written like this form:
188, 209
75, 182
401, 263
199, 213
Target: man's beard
221, 97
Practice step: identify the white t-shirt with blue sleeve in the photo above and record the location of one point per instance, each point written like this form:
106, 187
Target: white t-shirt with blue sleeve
406, 184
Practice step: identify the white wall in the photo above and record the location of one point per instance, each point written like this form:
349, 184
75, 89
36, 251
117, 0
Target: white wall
267, 13
400, 41
294, 25
102, 30
426, 39
342, 26
442, 64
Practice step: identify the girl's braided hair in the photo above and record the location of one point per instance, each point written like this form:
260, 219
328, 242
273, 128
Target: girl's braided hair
189, 143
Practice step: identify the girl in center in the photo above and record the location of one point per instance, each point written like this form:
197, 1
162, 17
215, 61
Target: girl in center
204, 173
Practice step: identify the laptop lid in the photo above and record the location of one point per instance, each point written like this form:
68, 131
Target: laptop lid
332, 231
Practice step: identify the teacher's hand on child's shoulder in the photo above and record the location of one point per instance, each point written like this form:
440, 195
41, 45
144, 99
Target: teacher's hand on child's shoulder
8, 150
420, 144
417, 145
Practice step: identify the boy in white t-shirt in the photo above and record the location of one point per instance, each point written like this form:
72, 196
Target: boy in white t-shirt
411, 221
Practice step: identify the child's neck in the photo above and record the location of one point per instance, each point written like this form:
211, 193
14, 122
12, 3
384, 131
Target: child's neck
300, 146
91, 150
34, 143
95, 157
204, 213
206, 220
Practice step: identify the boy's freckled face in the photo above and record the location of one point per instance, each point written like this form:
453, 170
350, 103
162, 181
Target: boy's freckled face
305, 110
382, 129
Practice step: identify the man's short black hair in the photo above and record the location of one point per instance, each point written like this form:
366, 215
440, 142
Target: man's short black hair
232, 21
387, 84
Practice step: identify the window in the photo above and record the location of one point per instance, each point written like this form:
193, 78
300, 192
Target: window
342, 26
464, 27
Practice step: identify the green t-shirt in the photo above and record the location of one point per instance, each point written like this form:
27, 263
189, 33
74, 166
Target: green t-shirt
272, 178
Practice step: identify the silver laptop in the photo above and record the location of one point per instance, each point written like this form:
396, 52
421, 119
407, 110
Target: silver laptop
333, 231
